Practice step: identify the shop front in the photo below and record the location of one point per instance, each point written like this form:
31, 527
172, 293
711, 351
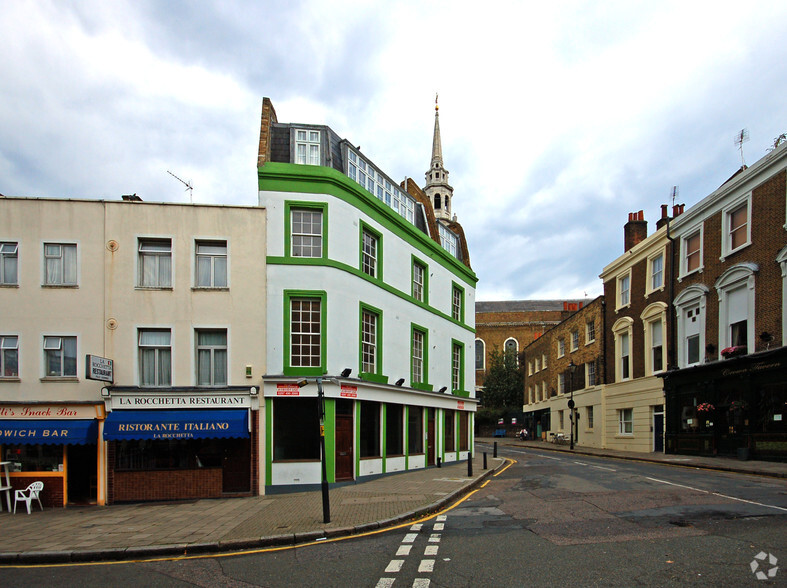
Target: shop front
57, 444
181, 444
734, 407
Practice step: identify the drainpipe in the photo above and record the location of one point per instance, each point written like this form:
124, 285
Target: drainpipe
671, 363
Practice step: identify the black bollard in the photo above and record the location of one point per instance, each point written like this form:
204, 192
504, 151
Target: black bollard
439, 462
484, 459
494, 453
469, 464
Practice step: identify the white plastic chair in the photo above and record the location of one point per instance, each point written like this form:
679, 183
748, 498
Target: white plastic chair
28, 495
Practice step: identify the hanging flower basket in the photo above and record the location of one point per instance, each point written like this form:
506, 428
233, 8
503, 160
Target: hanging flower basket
733, 351
705, 407
737, 405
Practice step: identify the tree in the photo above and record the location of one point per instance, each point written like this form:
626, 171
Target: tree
504, 383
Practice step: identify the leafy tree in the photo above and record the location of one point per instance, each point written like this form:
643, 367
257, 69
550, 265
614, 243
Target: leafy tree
504, 383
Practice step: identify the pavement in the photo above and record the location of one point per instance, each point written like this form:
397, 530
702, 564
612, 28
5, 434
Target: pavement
173, 529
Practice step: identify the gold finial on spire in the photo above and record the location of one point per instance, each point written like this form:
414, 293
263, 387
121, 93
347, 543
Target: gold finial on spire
436, 107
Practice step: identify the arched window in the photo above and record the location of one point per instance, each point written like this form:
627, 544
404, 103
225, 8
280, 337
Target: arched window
437, 202
511, 346
480, 354
690, 312
735, 288
622, 332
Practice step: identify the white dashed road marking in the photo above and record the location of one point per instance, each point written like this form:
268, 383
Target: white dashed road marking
409, 538
426, 566
431, 550
394, 566
403, 551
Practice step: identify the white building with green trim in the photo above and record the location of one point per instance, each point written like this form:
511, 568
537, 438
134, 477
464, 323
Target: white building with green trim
372, 294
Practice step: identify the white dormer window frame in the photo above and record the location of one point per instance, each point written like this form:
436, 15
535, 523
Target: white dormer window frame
307, 146
736, 226
448, 239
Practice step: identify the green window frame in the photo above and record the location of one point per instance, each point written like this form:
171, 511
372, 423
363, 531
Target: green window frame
296, 335
370, 252
457, 302
419, 353
457, 367
420, 280
292, 206
370, 344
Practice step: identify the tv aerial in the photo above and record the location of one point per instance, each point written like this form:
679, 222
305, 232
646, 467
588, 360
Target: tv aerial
188, 185
740, 139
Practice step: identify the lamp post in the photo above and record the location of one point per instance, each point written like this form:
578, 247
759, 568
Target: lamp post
326, 505
571, 369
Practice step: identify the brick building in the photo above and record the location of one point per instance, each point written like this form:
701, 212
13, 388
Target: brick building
637, 290
550, 382
513, 325
730, 389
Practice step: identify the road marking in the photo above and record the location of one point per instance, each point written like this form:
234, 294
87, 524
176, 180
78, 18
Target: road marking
403, 551
421, 583
603, 468
416, 527
485, 483
439, 526
426, 566
394, 566
385, 583
431, 550
718, 494
409, 538
581, 463
442, 518
434, 538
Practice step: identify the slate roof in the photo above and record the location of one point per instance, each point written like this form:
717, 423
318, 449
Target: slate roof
526, 305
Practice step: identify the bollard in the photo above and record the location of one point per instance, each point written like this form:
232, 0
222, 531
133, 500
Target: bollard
469, 464
494, 453
439, 462
484, 459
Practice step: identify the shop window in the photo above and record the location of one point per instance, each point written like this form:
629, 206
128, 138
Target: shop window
450, 423
155, 357
34, 458
415, 430
9, 263
155, 263
211, 269
394, 429
9, 356
296, 429
60, 264
60, 357
212, 357
370, 429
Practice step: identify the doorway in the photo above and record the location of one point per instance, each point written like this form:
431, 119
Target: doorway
344, 440
658, 429
82, 478
430, 438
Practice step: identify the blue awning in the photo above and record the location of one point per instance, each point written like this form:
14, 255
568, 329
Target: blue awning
176, 424
49, 432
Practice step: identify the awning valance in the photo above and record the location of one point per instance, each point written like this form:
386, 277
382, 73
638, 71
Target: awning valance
49, 432
176, 424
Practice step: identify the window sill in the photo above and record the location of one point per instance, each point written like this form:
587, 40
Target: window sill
590, 342
682, 277
9, 285
166, 288
10, 379
622, 307
624, 436
60, 286
209, 289
726, 254
59, 379
422, 386
377, 378
655, 291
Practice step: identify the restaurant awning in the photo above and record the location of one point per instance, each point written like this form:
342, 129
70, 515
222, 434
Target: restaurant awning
176, 424
49, 432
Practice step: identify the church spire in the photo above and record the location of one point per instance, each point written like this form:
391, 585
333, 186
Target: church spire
437, 188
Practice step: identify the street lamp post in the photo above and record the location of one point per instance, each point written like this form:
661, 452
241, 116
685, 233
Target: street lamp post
571, 369
326, 505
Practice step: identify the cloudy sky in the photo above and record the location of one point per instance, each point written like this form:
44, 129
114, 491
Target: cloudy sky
557, 119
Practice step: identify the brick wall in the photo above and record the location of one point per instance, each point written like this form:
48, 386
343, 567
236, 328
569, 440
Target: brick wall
268, 118
51, 497
167, 485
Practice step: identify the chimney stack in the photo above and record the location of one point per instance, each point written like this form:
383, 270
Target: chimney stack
664, 216
635, 230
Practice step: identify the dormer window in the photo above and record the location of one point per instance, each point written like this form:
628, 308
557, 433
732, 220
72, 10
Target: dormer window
307, 147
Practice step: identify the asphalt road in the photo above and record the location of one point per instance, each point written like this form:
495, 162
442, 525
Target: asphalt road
547, 520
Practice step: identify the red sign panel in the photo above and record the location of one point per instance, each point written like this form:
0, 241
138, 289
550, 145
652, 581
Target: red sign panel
287, 390
460, 404
349, 391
